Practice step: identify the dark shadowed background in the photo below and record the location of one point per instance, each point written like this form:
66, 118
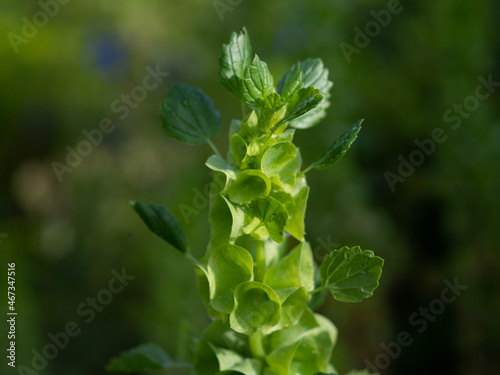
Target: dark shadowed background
419, 186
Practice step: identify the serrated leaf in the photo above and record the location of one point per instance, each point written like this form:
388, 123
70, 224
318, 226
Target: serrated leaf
351, 274
235, 57
303, 101
291, 82
257, 308
314, 73
272, 214
335, 152
141, 359
162, 222
189, 116
228, 266
258, 82
250, 184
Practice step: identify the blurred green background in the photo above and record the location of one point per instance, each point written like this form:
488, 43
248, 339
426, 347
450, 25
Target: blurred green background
67, 236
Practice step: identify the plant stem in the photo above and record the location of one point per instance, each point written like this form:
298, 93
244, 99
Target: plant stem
256, 345
317, 290
214, 147
307, 169
260, 261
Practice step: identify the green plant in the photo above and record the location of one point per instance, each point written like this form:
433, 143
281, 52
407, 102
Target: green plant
260, 295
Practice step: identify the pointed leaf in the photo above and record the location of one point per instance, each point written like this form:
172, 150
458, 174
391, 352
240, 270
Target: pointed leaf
303, 101
335, 152
296, 212
314, 73
235, 57
351, 274
162, 223
291, 82
258, 81
189, 116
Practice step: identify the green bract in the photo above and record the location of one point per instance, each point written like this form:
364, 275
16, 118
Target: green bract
258, 278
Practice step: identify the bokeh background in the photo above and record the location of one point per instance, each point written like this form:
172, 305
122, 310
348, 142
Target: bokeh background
67, 236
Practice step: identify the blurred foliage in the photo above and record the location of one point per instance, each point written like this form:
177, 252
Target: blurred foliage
66, 237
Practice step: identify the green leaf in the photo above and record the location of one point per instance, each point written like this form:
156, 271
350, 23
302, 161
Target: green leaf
162, 223
303, 101
277, 157
218, 164
280, 359
246, 367
291, 82
282, 160
226, 220
258, 82
141, 359
296, 212
250, 184
315, 350
204, 280
273, 111
189, 116
314, 73
310, 341
294, 270
229, 266
272, 214
293, 304
257, 308
351, 274
209, 359
335, 152
238, 148
235, 57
